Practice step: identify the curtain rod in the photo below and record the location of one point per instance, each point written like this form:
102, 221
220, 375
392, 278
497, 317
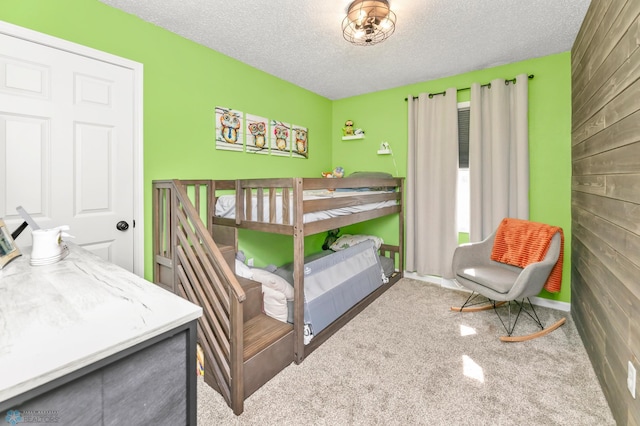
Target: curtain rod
431, 95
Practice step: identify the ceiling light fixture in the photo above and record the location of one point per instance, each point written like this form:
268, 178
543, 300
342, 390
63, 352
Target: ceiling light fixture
368, 22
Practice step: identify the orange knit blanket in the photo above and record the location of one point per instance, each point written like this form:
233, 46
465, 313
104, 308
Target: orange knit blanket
521, 242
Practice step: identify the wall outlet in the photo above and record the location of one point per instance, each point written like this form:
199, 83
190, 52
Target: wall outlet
250, 261
631, 379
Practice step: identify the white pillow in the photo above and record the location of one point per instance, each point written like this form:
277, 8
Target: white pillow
243, 270
345, 241
275, 304
274, 282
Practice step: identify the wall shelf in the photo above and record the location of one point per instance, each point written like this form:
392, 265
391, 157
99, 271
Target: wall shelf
352, 137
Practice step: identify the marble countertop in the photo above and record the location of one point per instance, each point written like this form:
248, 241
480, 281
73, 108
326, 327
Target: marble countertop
55, 319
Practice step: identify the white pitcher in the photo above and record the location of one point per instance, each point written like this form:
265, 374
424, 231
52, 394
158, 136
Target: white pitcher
47, 243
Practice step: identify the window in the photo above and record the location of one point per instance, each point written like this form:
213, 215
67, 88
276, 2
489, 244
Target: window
463, 208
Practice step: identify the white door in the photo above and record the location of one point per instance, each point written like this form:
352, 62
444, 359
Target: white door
67, 146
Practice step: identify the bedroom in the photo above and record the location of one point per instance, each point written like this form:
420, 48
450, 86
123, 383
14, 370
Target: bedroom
168, 58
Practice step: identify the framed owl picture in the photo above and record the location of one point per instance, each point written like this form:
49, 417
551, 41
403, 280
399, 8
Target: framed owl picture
280, 138
299, 142
229, 129
257, 135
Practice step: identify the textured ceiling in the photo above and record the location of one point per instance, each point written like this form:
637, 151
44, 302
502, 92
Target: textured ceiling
300, 41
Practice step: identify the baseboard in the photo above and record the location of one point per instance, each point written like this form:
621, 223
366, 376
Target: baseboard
432, 279
553, 304
451, 284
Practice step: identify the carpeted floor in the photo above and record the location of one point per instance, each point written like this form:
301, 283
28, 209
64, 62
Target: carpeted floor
408, 360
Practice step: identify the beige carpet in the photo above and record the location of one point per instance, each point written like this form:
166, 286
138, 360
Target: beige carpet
408, 360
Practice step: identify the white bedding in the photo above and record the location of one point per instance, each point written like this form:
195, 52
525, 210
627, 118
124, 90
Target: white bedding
226, 205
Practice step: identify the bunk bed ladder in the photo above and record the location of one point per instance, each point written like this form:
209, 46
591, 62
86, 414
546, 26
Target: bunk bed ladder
243, 347
189, 263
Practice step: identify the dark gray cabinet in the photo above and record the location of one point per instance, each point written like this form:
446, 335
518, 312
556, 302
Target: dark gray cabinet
152, 383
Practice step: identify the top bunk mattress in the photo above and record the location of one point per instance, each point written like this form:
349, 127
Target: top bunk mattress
226, 206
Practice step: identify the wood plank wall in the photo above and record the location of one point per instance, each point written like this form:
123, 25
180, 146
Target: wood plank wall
605, 198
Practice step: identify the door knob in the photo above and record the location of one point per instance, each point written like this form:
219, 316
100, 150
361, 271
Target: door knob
122, 226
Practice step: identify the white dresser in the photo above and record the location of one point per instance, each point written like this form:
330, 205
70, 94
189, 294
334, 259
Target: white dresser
91, 343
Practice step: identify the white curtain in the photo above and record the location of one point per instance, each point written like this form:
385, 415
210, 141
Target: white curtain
431, 183
498, 154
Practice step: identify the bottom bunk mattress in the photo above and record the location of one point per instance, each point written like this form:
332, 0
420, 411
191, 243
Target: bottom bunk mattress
335, 282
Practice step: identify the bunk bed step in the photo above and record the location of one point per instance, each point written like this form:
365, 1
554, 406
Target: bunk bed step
268, 349
229, 255
226, 239
252, 306
225, 236
261, 331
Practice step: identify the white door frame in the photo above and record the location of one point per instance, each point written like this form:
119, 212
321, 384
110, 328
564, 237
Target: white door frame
137, 68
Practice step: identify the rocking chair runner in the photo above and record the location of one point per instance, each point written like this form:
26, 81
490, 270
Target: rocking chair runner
502, 283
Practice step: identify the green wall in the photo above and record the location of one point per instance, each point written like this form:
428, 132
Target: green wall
383, 116
183, 83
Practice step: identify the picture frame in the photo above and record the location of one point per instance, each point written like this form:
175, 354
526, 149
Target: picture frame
8, 248
280, 142
229, 129
299, 142
257, 132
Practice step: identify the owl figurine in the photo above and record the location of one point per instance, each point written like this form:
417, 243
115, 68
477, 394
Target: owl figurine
230, 125
258, 131
347, 130
282, 133
301, 141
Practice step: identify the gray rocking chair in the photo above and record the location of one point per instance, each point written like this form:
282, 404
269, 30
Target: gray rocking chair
501, 283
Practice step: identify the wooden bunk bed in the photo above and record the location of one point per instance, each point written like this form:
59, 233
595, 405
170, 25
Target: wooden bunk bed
194, 255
